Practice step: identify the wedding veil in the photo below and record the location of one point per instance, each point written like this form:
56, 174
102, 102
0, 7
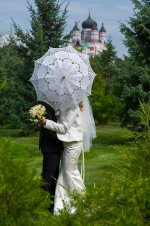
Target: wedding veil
88, 124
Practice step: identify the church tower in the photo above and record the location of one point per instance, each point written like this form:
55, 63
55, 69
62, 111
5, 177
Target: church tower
89, 31
76, 34
102, 34
91, 40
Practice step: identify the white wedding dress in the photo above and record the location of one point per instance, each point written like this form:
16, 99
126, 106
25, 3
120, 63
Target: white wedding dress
69, 179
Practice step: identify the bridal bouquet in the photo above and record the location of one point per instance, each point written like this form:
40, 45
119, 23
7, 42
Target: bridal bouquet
37, 112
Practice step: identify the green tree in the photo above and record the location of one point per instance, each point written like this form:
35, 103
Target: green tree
10, 100
137, 33
105, 103
135, 79
106, 62
48, 20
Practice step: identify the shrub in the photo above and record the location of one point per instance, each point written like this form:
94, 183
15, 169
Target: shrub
22, 202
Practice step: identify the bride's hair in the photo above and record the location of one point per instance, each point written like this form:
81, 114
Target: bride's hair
81, 105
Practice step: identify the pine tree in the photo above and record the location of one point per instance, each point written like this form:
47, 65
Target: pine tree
47, 29
48, 21
10, 101
135, 79
106, 61
53, 21
137, 33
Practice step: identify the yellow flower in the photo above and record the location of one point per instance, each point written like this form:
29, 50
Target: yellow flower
37, 112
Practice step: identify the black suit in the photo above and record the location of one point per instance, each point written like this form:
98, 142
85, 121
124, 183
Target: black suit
51, 149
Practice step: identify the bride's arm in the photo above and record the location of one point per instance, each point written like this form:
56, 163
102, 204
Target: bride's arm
65, 125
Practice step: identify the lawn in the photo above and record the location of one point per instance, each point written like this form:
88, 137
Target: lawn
99, 162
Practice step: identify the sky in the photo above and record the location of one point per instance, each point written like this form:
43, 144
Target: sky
110, 12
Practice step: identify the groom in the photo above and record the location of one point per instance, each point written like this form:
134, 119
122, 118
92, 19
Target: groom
51, 149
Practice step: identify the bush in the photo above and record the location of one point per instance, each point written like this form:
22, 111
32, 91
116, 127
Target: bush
22, 202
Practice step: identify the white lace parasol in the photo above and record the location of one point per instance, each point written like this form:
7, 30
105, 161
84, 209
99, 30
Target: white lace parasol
62, 78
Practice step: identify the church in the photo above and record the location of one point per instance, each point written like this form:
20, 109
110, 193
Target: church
90, 40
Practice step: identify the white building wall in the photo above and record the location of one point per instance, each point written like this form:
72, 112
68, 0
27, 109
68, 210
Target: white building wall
95, 36
76, 37
86, 35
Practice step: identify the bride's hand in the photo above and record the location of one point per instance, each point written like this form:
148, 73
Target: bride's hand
42, 122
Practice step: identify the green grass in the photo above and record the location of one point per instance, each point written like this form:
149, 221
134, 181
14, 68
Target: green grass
99, 162
24, 148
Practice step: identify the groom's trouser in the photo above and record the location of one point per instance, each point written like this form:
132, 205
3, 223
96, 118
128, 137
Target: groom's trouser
50, 171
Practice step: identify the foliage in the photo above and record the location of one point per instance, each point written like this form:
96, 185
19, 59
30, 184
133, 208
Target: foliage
137, 32
10, 100
47, 27
2, 85
117, 183
47, 20
143, 121
145, 115
105, 104
134, 79
22, 200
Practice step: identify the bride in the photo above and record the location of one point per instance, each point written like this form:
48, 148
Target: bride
76, 129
